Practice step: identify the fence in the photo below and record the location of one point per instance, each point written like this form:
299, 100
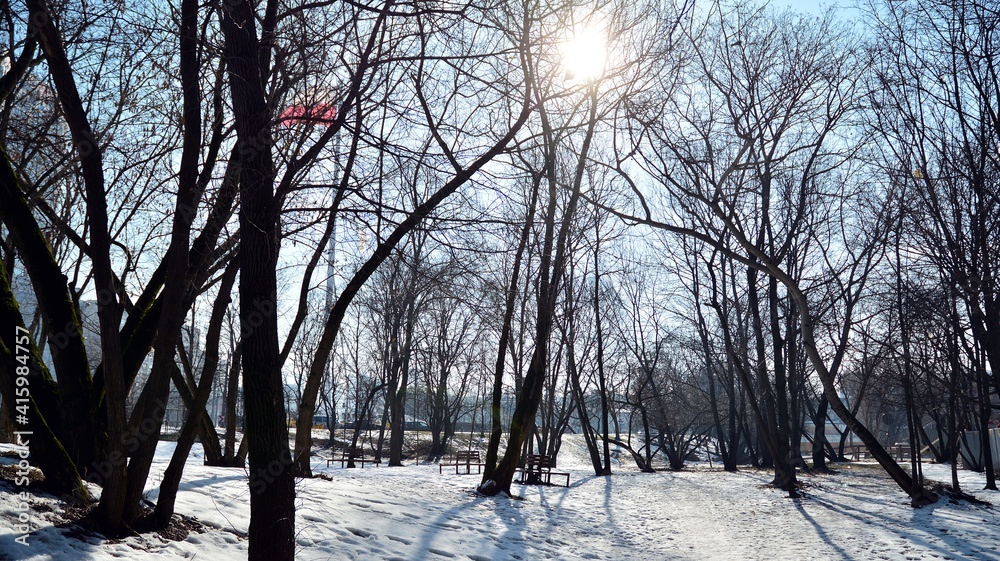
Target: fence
972, 453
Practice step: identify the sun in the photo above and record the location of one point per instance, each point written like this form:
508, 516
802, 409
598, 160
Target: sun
584, 55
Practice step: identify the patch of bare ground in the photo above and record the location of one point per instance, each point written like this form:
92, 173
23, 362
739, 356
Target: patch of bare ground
946, 490
79, 522
12, 473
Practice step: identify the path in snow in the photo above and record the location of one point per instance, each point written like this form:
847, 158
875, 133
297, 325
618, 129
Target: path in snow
414, 514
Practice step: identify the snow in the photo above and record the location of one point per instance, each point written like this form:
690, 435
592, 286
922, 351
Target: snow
415, 513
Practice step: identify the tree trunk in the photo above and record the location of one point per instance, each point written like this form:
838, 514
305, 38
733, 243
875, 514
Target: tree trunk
982, 383
206, 430
589, 434
918, 495
781, 366
6, 421
523, 420
401, 358
75, 422
819, 437
272, 483
232, 395
602, 385
172, 476
47, 452
174, 287
727, 456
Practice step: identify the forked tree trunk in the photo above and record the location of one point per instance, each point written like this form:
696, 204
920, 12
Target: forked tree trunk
551, 271
782, 365
74, 423
401, 359
496, 400
172, 475
171, 321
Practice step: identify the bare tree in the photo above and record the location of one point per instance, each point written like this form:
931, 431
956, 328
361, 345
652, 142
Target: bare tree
446, 136
775, 112
936, 111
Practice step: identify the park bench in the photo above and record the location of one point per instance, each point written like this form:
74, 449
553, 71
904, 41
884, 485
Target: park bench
538, 471
356, 455
856, 452
899, 452
467, 459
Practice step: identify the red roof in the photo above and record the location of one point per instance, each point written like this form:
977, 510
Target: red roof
317, 113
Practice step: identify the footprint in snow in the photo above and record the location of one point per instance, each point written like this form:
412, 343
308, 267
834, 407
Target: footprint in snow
361, 533
403, 541
441, 552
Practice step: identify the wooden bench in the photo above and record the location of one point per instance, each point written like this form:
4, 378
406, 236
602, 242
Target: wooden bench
538, 471
355, 455
466, 458
900, 452
856, 452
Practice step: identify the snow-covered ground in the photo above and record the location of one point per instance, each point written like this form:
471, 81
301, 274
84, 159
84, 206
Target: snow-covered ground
413, 513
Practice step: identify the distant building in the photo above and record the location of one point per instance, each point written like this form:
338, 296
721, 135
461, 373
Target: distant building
28, 304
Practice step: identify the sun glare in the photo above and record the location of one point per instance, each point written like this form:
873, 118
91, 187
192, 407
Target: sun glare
584, 55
